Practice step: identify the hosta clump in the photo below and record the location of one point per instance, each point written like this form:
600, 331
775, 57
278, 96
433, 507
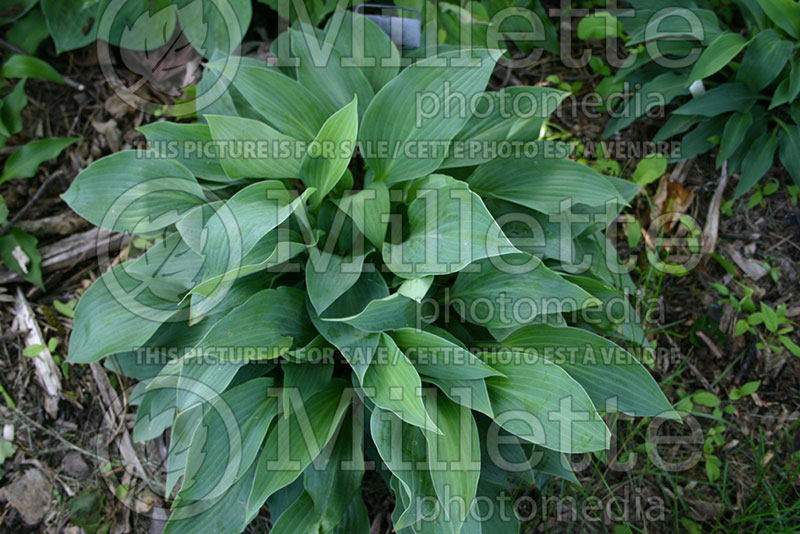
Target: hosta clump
308, 309
738, 93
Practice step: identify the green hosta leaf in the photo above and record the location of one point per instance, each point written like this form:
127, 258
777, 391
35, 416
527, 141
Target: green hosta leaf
355, 520
329, 276
436, 356
784, 13
329, 488
543, 182
454, 459
134, 299
28, 32
125, 192
20, 66
288, 106
449, 227
398, 310
268, 324
26, 159
181, 436
13, 103
68, 21
470, 393
237, 227
360, 42
18, 251
513, 114
214, 29
369, 210
718, 54
190, 144
404, 450
226, 514
358, 347
304, 378
601, 25
765, 58
411, 115
723, 99
599, 365
539, 402
392, 383
758, 161
253, 149
295, 441
329, 154
513, 290
226, 442
322, 71
733, 134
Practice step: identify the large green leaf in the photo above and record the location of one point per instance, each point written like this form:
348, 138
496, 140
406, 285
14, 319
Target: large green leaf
512, 114
26, 159
253, 149
134, 299
436, 356
392, 383
72, 23
361, 43
127, 191
454, 459
242, 222
543, 182
599, 365
407, 123
514, 290
369, 210
718, 54
321, 69
190, 144
449, 227
329, 488
329, 154
288, 106
226, 442
11, 112
403, 448
538, 401
295, 441
470, 393
765, 58
267, 325
215, 28
328, 276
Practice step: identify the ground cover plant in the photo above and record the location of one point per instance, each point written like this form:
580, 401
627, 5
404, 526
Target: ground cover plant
323, 273
736, 91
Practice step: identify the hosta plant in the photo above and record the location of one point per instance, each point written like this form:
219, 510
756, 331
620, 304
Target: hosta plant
336, 283
737, 89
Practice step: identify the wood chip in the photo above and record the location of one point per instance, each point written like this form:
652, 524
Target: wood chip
46, 371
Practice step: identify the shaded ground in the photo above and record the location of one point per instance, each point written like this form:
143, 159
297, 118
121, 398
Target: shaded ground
758, 484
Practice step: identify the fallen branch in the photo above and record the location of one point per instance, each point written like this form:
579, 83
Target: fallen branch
46, 371
711, 229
